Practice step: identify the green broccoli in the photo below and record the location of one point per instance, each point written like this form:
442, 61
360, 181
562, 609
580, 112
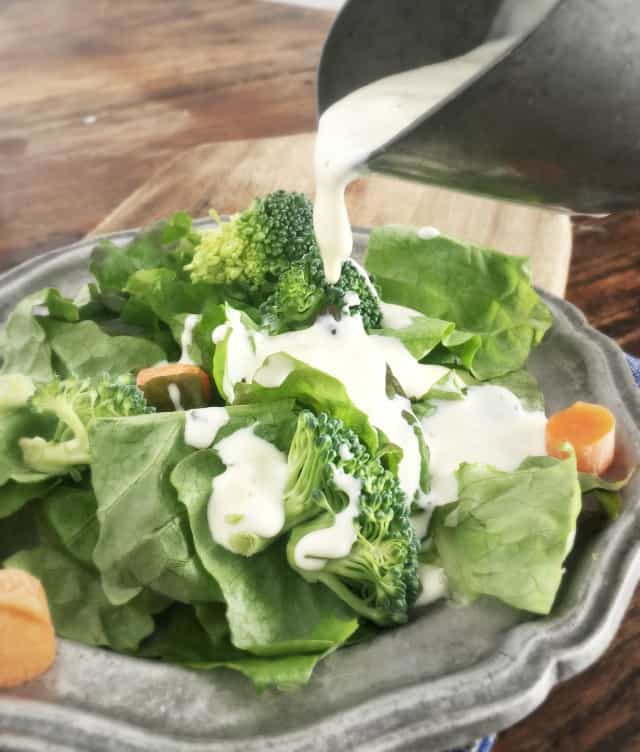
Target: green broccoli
355, 293
302, 292
76, 403
378, 578
251, 251
298, 297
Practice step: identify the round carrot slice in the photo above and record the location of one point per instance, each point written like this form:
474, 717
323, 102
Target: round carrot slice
175, 385
27, 637
590, 429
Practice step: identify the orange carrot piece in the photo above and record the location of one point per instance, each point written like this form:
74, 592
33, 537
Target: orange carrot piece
590, 429
154, 383
27, 637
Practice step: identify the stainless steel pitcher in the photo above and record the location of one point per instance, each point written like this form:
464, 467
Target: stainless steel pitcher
555, 121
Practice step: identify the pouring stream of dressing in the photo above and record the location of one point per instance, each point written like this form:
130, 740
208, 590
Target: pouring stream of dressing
364, 121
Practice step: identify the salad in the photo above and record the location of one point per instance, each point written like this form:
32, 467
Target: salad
225, 461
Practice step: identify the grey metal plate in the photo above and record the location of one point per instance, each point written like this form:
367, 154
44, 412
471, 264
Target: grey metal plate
451, 675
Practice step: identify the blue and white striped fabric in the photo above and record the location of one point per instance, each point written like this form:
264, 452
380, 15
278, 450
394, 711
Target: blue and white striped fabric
482, 745
486, 744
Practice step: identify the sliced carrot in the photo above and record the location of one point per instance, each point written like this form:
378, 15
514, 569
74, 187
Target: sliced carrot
27, 638
590, 429
191, 381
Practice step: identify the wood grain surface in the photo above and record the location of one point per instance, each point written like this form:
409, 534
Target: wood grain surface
99, 96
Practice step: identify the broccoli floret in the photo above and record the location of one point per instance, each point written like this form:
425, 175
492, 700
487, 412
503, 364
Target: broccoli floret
355, 293
378, 578
76, 403
302, 292
299, 295
251, 251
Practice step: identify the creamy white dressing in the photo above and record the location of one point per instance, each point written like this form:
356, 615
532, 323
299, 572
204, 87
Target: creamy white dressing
489, 426
240, 350
174, 396
343, 350
186, 339
364, 121
351, 299
336, 541
202, 425
247, 498
397, 316
434, 584
345, 453
420, 523
415, 378
428, 233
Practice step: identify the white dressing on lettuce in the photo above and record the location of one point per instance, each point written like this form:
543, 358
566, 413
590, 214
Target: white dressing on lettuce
175, 396
186, 339
202, 426
420, 523
415, 378
336, 541
341, 349
241, 354
247, 498
489, 426
428, 233
397, 316
434, 584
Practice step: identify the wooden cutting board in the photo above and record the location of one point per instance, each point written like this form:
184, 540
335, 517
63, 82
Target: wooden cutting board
228, 175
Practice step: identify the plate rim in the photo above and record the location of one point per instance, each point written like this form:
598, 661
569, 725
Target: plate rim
550, 657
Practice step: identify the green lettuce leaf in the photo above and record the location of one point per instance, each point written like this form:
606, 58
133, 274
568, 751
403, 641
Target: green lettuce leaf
590, 482
111, 355
25, 347
606, 491
16, 423
167, 244
68, 521
485, 293
14, 496
311, 388
167, 295
420, 335
144, 539
271, 610
521, 382
509, 533
199, 639
79, 608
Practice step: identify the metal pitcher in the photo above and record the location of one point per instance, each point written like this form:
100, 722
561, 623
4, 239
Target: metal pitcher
555, 121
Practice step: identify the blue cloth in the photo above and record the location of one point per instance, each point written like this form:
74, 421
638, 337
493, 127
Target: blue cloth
482, 745
486, 744
634, 364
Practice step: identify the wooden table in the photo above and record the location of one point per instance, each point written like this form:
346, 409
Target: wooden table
97, 96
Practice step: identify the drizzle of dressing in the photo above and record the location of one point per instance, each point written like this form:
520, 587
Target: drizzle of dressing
428, 233
415, 378
489, 426
343, 350
434, 584
345, 453
174, 396
186, 339
202, 426
351, 299
336, 541
420, 523
241, 351
397, 316
364, 121
247, 498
